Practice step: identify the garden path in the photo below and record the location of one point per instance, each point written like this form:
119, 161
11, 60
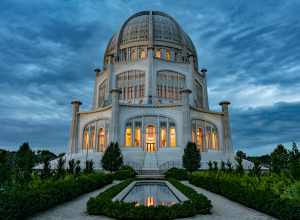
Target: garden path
225, 209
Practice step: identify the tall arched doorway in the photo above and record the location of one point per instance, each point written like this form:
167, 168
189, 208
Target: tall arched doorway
150, 138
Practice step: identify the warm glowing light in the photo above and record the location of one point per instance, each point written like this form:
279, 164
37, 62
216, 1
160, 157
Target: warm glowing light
172, 137
92, 137
199, 138
150, 138
150, 201
137, 137
128, 137
101, 140
163, 137
158, 53
168, 54
143, 54
133, 54
86, 138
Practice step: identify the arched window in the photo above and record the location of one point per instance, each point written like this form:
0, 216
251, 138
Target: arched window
158, 53
199, 140
172, 134
137, 135
163, 134
133, 54
143, 53
168, 54
128, 137
132, 84
86, 138
92, 141
101, 140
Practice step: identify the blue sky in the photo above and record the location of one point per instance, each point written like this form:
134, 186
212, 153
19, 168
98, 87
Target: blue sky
48, 50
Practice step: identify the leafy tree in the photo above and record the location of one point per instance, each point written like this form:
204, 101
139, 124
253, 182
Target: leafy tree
210, 165
215, 163
240, 155
60, 169
191, 157
42, 155
223, 166
24, 163
256, 169
229, 165
77, 167
46, 172
279, 159
294, 162
71, 166
89, 166
112, 159
5, 167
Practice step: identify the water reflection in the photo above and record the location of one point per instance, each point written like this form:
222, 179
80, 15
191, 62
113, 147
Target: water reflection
151, 194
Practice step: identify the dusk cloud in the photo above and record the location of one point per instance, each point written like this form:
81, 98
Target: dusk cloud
48, 50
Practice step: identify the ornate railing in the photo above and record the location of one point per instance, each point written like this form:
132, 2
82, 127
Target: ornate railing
170, 164
136, 166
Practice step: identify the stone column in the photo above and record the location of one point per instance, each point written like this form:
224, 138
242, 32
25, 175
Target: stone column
228, 148
150, 78
186, 122
73, 140
96, 95
114, 126
205, 95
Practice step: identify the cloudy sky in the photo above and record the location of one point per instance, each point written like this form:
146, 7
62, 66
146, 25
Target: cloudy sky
48, 50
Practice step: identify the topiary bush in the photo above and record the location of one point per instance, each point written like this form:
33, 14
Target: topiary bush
125, 172
176, 173
21, 202
263, 194
103, 205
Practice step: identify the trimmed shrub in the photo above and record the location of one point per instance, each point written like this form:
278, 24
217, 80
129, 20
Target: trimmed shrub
262, 193
21, 202
103, 205
178, 174
125, 172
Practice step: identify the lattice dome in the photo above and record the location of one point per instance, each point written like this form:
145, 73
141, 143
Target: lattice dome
151, 29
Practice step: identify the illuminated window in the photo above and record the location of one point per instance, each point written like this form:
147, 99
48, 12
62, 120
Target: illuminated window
199, 139
214, 139
101, 140
168, 54
143, 54
133, 54
172, 137
163, 137
208, 137
158, 53
86, 138
92, 138
128, 137
137, 137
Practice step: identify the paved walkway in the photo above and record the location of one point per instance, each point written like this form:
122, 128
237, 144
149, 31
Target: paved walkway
223, 209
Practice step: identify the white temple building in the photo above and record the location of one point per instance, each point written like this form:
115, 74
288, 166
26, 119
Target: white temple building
151, 98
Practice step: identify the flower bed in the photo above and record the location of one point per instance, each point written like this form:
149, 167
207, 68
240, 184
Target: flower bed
257, 193
103, 205
21, 202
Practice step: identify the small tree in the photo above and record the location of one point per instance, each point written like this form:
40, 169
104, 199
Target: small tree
112, 159
215, 163
229, 166
89, 166
24, 160
239, 160
210, 165
5, 167
294, 162
191, 157
256, 170
223, 166
77, 167
279, 159
71, 166
46, 172
60, 169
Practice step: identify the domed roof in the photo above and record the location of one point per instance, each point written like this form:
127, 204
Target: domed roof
151, 28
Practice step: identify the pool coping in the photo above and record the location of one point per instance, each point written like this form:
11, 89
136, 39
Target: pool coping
178, 194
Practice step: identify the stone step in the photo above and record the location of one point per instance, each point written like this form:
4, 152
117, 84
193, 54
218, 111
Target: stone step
150, 176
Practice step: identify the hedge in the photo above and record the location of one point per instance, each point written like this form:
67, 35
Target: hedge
103, 205
248, 191
125, 172
21, 202
176, 173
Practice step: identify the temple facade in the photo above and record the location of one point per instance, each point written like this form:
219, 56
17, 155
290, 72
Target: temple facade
151, 98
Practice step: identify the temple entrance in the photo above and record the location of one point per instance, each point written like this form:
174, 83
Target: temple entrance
150, 138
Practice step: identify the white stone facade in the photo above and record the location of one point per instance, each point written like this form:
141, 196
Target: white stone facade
151, 98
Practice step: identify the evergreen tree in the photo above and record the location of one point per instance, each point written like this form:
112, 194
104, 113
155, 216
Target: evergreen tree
191, 157
77, 167
256, 170
210, 165
223, 166
60, 169
71, 166
24, 163
240, 155
294, 162
5, 167
279, 159
46, 172
112, 159
215, 163
229, 165
89, 166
